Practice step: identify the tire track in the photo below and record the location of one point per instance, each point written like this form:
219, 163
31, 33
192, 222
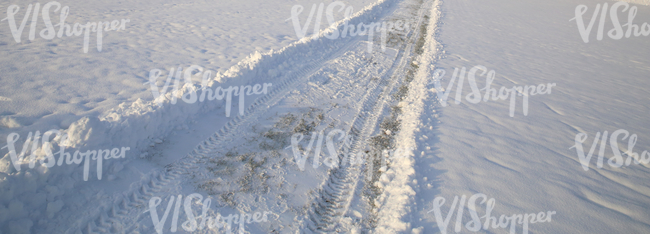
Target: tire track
121, 215
157, 181
337, 192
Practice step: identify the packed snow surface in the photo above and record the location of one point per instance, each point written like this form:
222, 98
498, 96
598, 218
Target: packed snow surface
305, 116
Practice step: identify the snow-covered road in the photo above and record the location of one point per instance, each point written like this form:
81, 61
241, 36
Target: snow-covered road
451, 117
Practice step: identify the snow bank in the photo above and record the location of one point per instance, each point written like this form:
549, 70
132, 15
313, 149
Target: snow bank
136, 126
398, 193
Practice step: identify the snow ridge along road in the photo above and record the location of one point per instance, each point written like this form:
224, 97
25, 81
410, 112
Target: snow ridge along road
336, 195
398, 203
124, 214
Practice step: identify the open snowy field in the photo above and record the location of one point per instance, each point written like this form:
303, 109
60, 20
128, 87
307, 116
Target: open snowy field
525, 162
305, 116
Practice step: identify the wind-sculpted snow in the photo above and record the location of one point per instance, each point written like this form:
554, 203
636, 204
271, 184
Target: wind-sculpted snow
549, 159
308, 117
476, 97
49, 32
617, 32
490, 222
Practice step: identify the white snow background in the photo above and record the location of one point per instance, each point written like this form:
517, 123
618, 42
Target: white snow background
524, 162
